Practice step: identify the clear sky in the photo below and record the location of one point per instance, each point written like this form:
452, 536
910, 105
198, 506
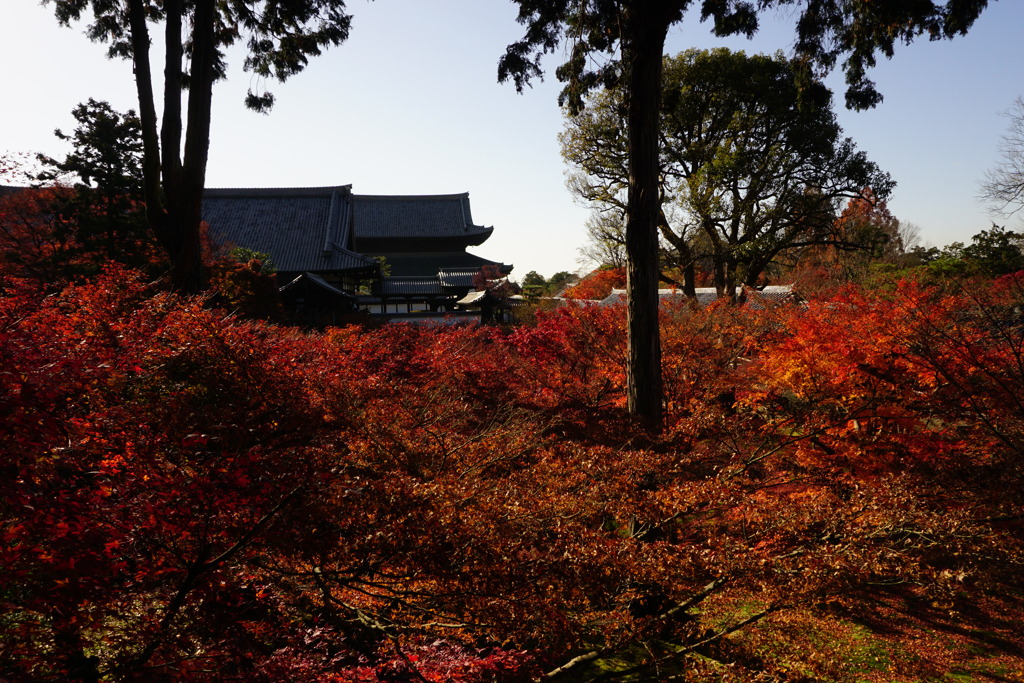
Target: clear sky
411, 105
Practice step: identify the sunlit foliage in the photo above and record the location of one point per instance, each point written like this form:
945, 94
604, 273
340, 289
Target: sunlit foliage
190, 496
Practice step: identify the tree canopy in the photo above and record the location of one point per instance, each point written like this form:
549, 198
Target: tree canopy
630, 34
992, 252
106, 150
749, 169
105, 206
850, 33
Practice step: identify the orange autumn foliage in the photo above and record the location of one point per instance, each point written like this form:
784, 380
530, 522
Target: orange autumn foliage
190, 496
598, 284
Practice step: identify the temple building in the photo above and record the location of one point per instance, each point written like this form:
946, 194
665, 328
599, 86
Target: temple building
387, 254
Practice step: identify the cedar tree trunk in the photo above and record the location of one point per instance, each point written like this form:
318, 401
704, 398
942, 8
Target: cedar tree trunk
173, 191
645, 30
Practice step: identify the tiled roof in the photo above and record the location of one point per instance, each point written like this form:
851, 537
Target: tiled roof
457, 277
317, 282
429, 263
408, 286
473, 298
407, 216
302, 229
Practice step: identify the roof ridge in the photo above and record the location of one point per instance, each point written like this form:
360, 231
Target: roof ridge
399, 197
276, 191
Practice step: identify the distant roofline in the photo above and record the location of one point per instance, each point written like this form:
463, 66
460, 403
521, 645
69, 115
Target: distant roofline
409, 197
276, 191
318, 190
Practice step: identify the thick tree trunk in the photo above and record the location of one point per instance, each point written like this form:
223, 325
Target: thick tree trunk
173, 193
646, 27
182, 237
718, 259
188, 273
170, 131
147, 118
690, 278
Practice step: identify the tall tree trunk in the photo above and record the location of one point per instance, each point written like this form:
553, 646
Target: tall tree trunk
147, 118
646, 25
718, 258
173, 193
170, 132
187, 272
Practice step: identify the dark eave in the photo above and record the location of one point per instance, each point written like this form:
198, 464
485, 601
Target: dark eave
430, 263
410, 287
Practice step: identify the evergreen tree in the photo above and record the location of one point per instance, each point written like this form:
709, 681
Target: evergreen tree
280, 37
105, 207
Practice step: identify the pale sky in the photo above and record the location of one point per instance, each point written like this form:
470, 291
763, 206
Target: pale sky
411, 105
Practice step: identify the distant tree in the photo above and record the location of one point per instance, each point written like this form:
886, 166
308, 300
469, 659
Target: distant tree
867, 223
560, 280
534, 284
998, 251
635, 32
748, 169
533, 279
280, 37
992, 252
909, 237
606, 239
922, 255
1003, 186
869, 241
106, 151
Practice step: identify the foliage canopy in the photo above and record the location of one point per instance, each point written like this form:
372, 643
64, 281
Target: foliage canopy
190, 496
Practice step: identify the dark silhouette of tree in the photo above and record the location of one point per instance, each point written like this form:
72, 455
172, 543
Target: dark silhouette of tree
280, 37
105, 206
107, 150
533, 279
